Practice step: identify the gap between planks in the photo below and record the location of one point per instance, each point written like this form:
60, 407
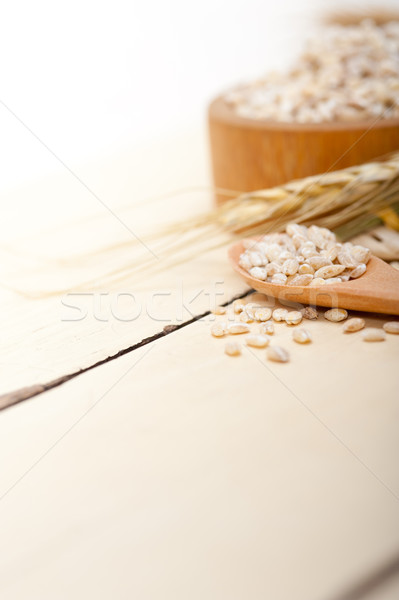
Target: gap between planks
373, 582
15, 397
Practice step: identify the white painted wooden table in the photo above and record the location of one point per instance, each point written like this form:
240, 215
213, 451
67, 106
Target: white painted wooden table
174, 471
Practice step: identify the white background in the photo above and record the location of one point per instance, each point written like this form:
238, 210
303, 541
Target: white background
92, 77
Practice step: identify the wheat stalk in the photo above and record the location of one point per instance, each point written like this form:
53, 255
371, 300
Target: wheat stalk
349, 202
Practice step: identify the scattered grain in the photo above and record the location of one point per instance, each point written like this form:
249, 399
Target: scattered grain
301, 336
263, 314
336, 314
237, 328
310, 313
354, 324
218, 329
257, 340
250, 309
277, 354
372, 334
219, 310
294, 317
279, 314
238, 306
391, 327
267, 328
232, 349
245, 317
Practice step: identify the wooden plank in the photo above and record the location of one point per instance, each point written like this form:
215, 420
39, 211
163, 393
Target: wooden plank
46, 234
178, 472
46, 339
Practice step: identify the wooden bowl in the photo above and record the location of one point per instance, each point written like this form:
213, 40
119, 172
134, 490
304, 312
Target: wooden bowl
249, 154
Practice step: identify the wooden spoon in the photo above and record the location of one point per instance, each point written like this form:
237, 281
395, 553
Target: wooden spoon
377, 290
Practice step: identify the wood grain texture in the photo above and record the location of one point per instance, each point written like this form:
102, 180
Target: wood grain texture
47, 249
175, 471
220, 475
250, 154
375, 291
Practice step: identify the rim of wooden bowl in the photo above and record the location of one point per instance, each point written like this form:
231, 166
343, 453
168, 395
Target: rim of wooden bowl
220, 110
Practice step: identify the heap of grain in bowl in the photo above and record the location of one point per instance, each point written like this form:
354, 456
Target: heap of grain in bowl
303, 256
347, 73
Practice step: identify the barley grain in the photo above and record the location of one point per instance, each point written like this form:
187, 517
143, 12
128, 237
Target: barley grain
245, 262
279, 279
317, 281
290, 266
267, 328
277, 354
250, 309
279, 314
372, 334
293, 229
336, 314
310, 313
317, 262
219, 310
238, 306
263, 314
237, 328
294, 317
258, 273
348, 72
273, 252
332, 253
302, 255
256, 259
301, 336
306, 269
354, 324
346, 259
232, 349
308, 252
273, 268
286, 255
257, 340
358, 271
391, 327
218, 329
360, 254
331, 280
329, 271
301, 280
245, 317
